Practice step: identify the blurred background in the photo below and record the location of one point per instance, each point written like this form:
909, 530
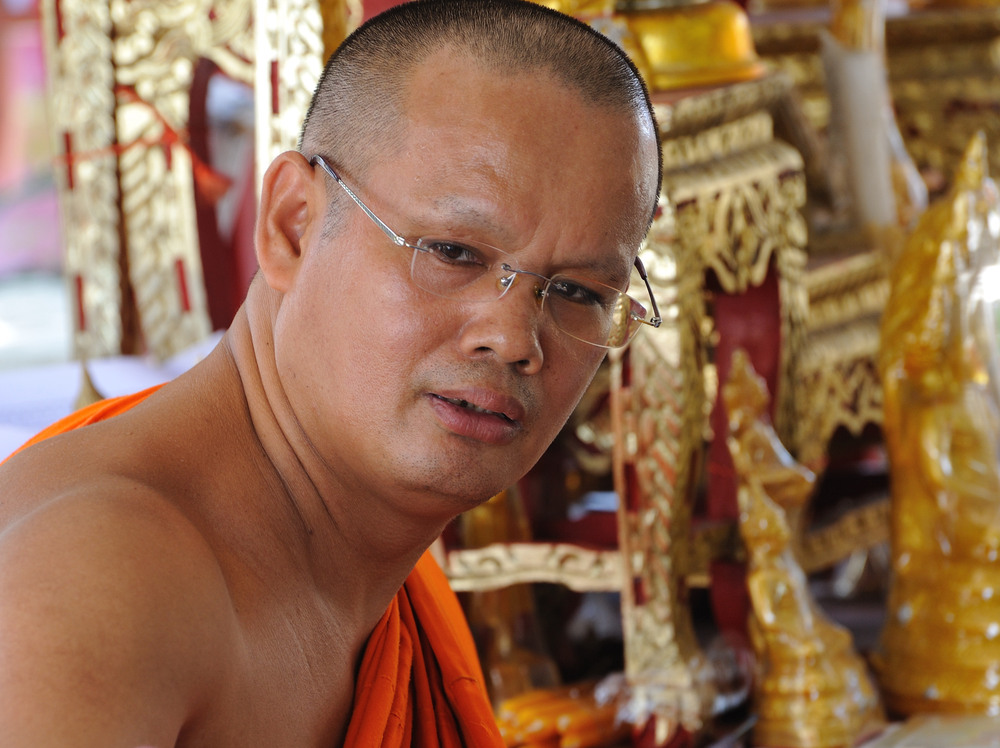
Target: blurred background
34, 314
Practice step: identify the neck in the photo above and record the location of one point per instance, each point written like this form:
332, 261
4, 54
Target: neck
350, 539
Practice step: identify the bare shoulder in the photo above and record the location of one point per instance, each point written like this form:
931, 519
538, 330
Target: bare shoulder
115, 619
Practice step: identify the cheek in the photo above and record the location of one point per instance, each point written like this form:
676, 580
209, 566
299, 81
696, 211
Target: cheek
568, 379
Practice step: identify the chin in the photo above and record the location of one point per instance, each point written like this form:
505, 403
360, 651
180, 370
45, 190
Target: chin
464, 489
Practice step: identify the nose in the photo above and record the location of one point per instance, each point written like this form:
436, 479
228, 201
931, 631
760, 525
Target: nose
507, 328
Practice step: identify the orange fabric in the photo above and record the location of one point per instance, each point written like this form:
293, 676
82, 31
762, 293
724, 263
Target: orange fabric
420, 684
98, 411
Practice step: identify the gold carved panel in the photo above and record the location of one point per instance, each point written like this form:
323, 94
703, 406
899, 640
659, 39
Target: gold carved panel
737, 193
503, 564
157, 45
837, 385
659, 415
294, 39
120, 77
82, 95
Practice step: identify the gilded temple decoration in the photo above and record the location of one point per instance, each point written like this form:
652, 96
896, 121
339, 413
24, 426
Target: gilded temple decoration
294, 39
737, 193
837, 385
940, 371
82, 85
156, 48
677, 45
813, 689
120, 75
945, 74
502, 564
658, 409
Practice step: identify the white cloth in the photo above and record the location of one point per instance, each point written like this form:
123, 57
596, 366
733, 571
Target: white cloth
33, 397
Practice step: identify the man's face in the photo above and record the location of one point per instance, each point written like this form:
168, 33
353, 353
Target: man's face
402, 391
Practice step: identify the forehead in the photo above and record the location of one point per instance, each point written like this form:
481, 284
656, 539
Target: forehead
524, 152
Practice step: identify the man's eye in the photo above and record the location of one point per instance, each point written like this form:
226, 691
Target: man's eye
453, 252
576, 292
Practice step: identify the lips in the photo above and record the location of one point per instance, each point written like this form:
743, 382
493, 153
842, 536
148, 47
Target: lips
472, 406
479, 414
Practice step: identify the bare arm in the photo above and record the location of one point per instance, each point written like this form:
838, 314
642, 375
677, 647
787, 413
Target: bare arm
111, 624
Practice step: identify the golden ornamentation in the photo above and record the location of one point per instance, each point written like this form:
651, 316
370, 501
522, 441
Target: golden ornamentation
741, 221
738, 210
813, 690
658, 409
939, 367
675, 45
717, 142
942, 63
501, 564
293, 45
685, 115
938, 114
859, 529
292, 51
156, 47
121, 78
836, 383
837, 386
848, 287
81, 84
121, 110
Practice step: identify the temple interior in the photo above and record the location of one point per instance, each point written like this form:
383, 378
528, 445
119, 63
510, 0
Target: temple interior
772, 522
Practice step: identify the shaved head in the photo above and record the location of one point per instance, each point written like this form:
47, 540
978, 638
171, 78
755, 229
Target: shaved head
357, 111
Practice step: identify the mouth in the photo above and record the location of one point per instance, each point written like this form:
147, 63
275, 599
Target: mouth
475, 408
488, 417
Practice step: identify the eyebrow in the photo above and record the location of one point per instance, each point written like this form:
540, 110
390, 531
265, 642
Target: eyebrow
463, 211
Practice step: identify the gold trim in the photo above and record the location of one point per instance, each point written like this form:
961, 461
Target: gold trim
861, 528
81, 97
693, 113
503, 564
291, 53
717, 142
156, 47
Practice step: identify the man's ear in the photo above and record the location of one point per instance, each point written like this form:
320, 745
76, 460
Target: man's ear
291, 201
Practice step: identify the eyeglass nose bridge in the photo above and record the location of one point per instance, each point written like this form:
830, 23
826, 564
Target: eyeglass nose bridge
505, 281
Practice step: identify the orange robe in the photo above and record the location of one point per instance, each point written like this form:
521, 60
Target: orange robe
420, 683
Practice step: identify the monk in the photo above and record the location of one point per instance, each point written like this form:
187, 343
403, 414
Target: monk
229, 561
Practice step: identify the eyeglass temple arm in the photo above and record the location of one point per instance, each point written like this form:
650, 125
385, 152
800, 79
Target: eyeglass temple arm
396, 238
656, 320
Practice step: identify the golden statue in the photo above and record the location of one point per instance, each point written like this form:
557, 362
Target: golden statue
678, 43
813, 689
939, 363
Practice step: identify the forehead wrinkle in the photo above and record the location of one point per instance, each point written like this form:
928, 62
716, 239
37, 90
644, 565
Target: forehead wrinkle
608, 266
466, 213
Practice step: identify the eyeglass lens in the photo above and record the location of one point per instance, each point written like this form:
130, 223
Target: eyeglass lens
586, 310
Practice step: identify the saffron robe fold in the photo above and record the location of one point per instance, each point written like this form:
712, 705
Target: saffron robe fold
420, 683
